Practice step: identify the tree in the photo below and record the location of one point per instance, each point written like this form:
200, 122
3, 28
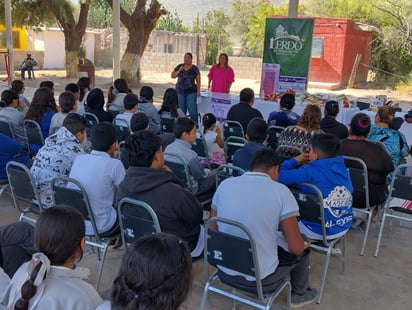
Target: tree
139, 24
171, 22
100, 13
73, 30
214, 25
240, 12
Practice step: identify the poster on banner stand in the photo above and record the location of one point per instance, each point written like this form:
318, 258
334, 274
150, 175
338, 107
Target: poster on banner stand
220, 107
269, 80
288, 43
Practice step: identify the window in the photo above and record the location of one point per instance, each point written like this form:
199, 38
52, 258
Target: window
317, 47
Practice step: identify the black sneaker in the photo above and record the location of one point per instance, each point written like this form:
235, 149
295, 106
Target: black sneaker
300, 300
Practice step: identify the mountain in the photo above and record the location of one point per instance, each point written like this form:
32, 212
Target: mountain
189, 9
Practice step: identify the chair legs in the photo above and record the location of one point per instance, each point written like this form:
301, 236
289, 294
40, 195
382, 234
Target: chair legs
380, 234
365, 238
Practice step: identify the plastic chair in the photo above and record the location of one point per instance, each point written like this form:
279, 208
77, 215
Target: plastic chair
200, 147
286, 152
401, 188
273, 139
136, 219
232, 129
6, 127
23, 187
77, 198
232, 144
122, 129
167, 124
311, 208
360, 183
33, 133
239, 254
91, 119
224, 172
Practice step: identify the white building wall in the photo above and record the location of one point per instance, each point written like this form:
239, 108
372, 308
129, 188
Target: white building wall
54, 56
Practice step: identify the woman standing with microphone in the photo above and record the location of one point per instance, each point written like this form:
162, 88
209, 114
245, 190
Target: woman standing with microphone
187, 86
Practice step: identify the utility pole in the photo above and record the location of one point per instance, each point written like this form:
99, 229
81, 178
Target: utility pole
9, 35
116, 39
293, 8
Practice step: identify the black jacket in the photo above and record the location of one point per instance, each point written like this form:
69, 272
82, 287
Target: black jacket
243, 113
331, 125
178, 211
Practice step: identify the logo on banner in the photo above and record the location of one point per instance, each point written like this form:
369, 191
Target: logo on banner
284, 43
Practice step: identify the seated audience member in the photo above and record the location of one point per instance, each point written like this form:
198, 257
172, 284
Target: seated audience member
394, 140
42, 109
95, 104
146, 106
75, 89
47, 84
84, 85
170, 106
329, 124
10, 150
28, 65
213, 136
68, 104
51, 280
4, 280
301, 134
204, 185
9, 110
100, 174
256, 134
56, 156
16, 246
140, 121
130, 102
155, 274
285, 116
116, 94
328, 172
243, 111
18, 87
377, 160
149, 180
272, 221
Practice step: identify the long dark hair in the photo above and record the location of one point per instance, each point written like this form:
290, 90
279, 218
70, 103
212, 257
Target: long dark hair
7, 97
155, 274
170, 102
119, 86
43, 101
84, 84
57, 236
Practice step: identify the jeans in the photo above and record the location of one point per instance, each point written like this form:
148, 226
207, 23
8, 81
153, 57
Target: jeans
188, 102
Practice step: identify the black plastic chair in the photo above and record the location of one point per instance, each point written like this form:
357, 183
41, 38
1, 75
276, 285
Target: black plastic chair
200, 147
224, 172
232, 144
6, 127
136, 219
401, 188
273, 139
167, 124
23, 188
286, 152
34, 135
239, 254
232, 129
122, 129
91, 119
311, 208
77, 198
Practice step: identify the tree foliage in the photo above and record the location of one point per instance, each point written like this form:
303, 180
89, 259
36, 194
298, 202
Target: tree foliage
100, 13
28, 13
215, 26
171, 22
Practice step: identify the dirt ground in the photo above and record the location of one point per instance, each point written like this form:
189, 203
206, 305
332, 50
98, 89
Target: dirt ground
161, 81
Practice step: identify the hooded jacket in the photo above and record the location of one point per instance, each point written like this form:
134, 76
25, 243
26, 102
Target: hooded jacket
242, 156
178, 211
331, 125
332, 178
55, 158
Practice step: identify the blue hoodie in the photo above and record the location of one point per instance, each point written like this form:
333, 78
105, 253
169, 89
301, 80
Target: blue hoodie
242, 156
331, 176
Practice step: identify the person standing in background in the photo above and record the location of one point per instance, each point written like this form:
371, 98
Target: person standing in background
221, 75
187, 86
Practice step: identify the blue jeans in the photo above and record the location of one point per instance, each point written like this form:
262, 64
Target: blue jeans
188, 102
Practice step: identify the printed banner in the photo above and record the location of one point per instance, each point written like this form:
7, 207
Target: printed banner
288, 42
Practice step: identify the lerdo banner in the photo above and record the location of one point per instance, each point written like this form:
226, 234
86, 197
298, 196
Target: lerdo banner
286, 54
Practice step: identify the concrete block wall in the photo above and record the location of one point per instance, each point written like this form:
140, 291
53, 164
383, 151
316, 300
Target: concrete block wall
246, 67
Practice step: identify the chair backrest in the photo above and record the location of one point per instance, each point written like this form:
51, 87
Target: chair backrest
232, 128
6, 127
286, 152
379, 143
70, 192
231, 251
179, 167
91, 119
358, 172
122, 129
136, 219
22, 185
200, 147
273, 133
232, 144
167, 124
224, 172
33, 133
311, 205
401, 185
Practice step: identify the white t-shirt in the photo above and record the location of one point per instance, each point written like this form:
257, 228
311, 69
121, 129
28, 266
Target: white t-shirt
260, 204
210, 138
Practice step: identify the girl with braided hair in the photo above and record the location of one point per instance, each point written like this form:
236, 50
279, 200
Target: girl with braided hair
155, 274
51, 280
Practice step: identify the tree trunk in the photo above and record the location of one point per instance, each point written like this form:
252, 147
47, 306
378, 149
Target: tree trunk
130, 68
72, 40
71, 64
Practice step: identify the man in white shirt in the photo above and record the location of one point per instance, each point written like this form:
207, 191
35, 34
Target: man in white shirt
100, 173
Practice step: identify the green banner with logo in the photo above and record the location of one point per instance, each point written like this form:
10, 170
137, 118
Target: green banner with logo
288, 42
